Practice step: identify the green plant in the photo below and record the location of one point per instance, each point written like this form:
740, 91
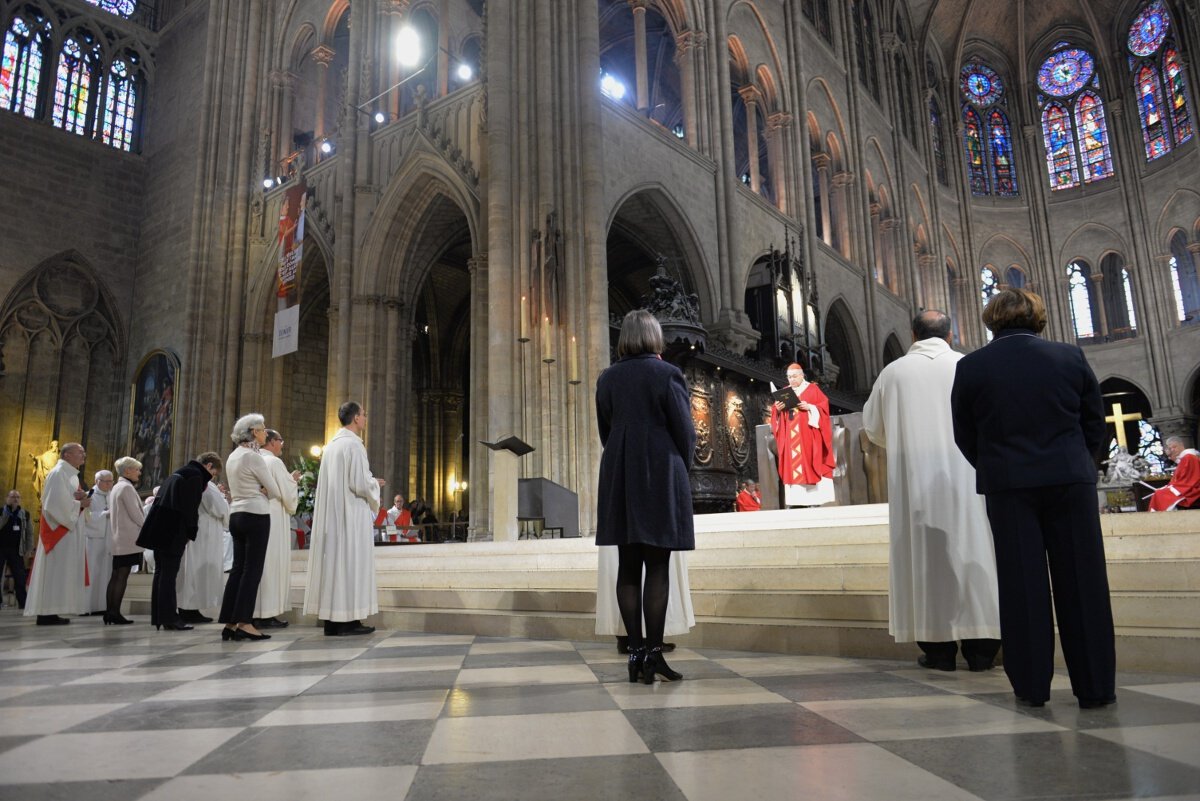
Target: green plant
309, 467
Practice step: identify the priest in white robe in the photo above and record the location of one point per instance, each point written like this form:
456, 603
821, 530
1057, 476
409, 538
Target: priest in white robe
59, 579
99, 546
942, 564
275, 585
341, 586
201, 582
680, 617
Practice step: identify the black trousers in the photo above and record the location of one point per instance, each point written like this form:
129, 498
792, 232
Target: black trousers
1058, 525
162, 594
10, 554
250, 533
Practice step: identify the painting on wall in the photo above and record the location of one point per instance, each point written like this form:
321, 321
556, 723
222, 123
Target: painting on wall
152, 417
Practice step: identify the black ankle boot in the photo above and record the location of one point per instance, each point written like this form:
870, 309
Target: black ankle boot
637, 658
656, 664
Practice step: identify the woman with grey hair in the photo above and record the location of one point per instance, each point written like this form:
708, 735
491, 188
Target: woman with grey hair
125, 517
251, 485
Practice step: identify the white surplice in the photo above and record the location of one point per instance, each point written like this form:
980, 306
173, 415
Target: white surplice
201, 581
275, 585
943, 565
341, 564
56, 587
96, 528
680, 618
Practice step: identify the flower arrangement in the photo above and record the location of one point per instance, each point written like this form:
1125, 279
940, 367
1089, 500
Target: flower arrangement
309, 467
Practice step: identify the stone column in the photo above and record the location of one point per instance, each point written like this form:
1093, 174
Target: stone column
821, 163
1099, 310
973, 336
751, 96
323, 56
391, 388
888, 231
778, 126
284, 84
839, 194
688, 46
928, 296
477, 496
639, 52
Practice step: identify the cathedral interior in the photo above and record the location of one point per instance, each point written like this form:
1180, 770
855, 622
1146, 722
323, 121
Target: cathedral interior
489, 185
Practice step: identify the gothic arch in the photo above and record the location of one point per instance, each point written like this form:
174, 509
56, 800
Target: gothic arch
892, 349
1182, 210
844, 344
1002, 249
819, 94
683, 232
1086, 242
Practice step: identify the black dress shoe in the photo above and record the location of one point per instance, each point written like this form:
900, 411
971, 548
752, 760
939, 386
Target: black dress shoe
52, 620
333, 629
655, 664
271, 623
354, 627
194, 616
1096, 703
937, 664
177, 626
979, 665
242, 634
1023, 701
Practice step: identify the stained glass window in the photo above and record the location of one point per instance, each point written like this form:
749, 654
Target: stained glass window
77, 67
1060, 147
1093, 138
1149, 29
1066, 72
1004, 173
988, 285
120, 106
980, 84
865, 44
1159, 81
21, 67
1181, 120
1081, 300
973, 143
1150, 109
935, 138
122, 8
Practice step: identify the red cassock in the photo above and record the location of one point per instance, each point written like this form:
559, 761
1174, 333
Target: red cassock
748, 501
1184, 490
805, 453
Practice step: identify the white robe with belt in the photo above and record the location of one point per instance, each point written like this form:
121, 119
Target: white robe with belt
341, 564
201, 581
56, 587
275, 585
942, 565
99, 552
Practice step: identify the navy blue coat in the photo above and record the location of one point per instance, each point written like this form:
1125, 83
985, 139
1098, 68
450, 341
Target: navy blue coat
174, 519
1027, 413
644, 411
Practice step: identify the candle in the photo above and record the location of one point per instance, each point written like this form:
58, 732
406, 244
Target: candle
547, 341
574, 360
524, 323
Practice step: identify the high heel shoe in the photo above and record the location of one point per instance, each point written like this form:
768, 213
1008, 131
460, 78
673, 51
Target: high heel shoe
116, 619
242, 634
227, 634
655, 663
637, 659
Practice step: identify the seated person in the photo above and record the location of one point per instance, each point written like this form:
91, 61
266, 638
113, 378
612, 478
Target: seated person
1184, 490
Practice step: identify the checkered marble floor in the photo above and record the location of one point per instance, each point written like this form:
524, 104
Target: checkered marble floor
97, 713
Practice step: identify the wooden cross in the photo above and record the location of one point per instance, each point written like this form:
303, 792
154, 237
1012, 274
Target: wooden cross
1118, 420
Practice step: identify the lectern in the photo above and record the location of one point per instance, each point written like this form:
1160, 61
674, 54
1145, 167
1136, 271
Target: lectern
503, 515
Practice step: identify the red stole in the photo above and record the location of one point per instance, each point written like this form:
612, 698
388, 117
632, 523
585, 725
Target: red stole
53, 536
805, 453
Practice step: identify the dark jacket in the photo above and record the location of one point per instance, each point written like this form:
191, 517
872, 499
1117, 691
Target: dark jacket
1027, 413
175, 516
644, 411
25, 545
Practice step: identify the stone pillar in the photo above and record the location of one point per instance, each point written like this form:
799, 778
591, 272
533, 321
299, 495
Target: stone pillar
639, 51
778, 126
284, 83
477, 484
751, 97
1099, 312
888, 231
688, 47
391, 389
821, 163
323, 56
839, 194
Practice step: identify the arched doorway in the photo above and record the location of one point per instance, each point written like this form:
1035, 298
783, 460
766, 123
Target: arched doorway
892, 349
1127, 411
844, 345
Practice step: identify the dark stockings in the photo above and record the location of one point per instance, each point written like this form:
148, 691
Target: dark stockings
638, 600
116, 589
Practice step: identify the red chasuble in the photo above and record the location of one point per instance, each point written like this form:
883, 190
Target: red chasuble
805, 453
1184, 490
747, 501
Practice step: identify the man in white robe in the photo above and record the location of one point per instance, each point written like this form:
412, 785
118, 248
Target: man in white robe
942, 565
680, 617
201, 581
60, 565
99, 548
341, 567
275, 585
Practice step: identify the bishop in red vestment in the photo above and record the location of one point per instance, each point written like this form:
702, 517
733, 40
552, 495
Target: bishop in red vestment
1184, 490
804, 438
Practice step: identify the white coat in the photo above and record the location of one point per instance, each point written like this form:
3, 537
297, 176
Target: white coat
96, 526
275, 585
57, 584
341, 564
201, 581
942, 566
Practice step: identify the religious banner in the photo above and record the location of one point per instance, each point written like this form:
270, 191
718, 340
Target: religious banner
291, 253
152, 417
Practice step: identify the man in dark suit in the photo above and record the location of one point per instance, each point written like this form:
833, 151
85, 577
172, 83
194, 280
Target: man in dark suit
1028, 417
16, 542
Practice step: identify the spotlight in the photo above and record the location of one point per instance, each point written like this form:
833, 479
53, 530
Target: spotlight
380, 117
465, 73
315, 450
612, 87
268, 183
408, 47
326, 146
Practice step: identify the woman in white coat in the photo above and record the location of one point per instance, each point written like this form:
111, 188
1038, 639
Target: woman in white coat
125, 517
201, 576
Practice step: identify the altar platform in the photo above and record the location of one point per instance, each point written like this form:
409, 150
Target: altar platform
811, 581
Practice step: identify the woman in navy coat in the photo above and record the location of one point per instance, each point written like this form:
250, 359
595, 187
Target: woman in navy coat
645, 498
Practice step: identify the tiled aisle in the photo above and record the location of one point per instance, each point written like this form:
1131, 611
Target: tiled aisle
96, 713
